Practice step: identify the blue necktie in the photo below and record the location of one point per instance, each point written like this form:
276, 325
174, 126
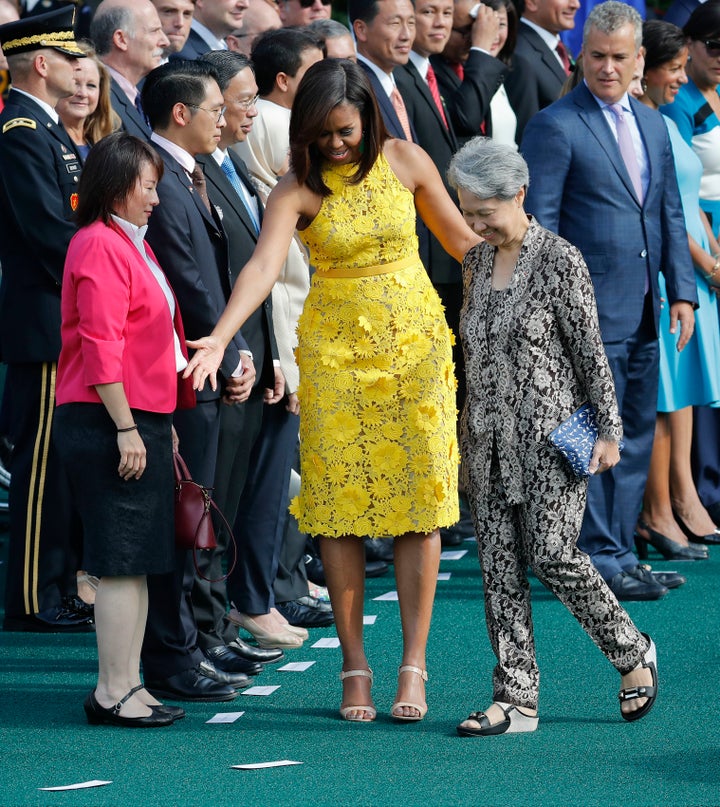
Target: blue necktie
230, 172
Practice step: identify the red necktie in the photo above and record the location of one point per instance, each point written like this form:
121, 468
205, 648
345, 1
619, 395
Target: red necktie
562, 52
399, 106
435, 92
458, 69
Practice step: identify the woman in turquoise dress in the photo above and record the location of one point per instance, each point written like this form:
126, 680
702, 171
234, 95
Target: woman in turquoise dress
696, 110
691, 378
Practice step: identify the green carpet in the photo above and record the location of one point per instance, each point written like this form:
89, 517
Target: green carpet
582, 754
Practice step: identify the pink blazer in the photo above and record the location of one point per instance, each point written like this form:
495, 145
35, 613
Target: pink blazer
116, 325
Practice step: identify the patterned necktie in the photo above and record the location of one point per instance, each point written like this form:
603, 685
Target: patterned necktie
232, 175
562, 52
399, 106
627, 150
435, 92
198, 180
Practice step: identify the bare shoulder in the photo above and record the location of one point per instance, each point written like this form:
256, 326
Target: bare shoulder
409, 162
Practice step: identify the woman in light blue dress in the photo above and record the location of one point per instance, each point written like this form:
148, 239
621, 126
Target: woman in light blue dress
671, 505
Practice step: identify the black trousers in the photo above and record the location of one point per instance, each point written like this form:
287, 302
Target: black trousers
45, 532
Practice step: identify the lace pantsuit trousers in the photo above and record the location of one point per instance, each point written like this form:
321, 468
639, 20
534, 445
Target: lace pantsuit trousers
542, 533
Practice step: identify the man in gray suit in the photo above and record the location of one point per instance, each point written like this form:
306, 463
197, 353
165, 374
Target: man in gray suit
602, 176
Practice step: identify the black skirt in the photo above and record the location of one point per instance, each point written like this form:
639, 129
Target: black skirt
128, 526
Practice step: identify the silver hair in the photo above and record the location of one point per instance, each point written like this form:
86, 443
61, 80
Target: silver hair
106, 22
608, 17
326, 29
488, 170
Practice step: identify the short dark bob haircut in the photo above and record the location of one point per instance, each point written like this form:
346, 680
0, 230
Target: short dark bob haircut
662, 41
326, 85
704, 22
110, 174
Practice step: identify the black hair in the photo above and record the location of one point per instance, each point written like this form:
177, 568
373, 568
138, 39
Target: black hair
662, 42
279, 51
179, 81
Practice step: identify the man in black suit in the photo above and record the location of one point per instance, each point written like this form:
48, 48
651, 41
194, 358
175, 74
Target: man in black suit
39, 172
130, 42
384, 32
185, 108
434, 132
468, 76
212, 22
232, 194
541, 62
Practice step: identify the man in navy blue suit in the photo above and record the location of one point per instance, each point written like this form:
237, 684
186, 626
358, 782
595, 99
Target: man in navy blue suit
602, 176
212, 22
384, 32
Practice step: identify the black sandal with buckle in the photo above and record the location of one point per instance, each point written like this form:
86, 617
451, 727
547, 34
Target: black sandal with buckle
650, 692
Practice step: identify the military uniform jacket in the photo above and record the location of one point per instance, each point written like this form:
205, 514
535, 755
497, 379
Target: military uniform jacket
39, 174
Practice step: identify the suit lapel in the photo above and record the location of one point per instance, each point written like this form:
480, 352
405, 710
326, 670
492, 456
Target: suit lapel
543, 51
129, 109
594, 118
422, 87
215, 176
57, 130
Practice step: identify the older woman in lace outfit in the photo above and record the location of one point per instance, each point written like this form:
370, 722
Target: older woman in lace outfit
534, 354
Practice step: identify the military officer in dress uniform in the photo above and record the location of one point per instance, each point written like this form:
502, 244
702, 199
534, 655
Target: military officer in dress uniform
39, 172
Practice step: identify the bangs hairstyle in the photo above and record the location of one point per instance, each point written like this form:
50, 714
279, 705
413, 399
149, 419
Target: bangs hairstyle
326, 85
110, 174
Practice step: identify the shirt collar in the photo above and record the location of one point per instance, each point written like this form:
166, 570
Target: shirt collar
421, 63
385, 79
624, 101
134, 233
125, 84
186, 160
547, 37
46, 108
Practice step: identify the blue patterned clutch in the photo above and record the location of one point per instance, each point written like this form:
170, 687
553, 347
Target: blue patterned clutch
575, 439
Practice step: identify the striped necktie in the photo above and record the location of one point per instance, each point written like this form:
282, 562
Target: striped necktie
232, 175
401, 112
431, 79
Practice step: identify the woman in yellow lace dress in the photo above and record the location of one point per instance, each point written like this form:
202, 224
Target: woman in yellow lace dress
377, 391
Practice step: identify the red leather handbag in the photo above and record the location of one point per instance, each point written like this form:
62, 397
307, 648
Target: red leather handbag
194, 528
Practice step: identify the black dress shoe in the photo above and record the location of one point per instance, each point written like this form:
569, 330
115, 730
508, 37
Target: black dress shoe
628, 588
314, 569
314, 602
224, 659
379, 549
176, 712
302, 616
54, 620
96, 714
236, 680
191, 685
448, 537
667, 579
376, 568
265, 655
74, 605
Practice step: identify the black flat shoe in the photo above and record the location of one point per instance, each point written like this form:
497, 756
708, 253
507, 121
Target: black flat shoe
96, 714
669, 549
515, 722
650, 692
711, 538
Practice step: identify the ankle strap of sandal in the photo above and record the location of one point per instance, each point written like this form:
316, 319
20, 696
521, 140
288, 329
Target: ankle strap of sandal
352, 673
409, 668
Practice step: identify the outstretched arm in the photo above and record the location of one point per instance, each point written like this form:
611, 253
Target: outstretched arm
287, 202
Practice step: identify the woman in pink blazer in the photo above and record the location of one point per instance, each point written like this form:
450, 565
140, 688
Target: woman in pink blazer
117, 387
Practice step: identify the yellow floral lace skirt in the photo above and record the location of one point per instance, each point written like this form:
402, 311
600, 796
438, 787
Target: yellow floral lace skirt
378, 444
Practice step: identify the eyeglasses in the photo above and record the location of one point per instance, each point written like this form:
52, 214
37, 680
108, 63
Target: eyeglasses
245, 105
219, 114
712, 46
311, 3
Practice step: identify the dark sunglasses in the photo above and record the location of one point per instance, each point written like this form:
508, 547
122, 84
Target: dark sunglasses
311, 3
712, 46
